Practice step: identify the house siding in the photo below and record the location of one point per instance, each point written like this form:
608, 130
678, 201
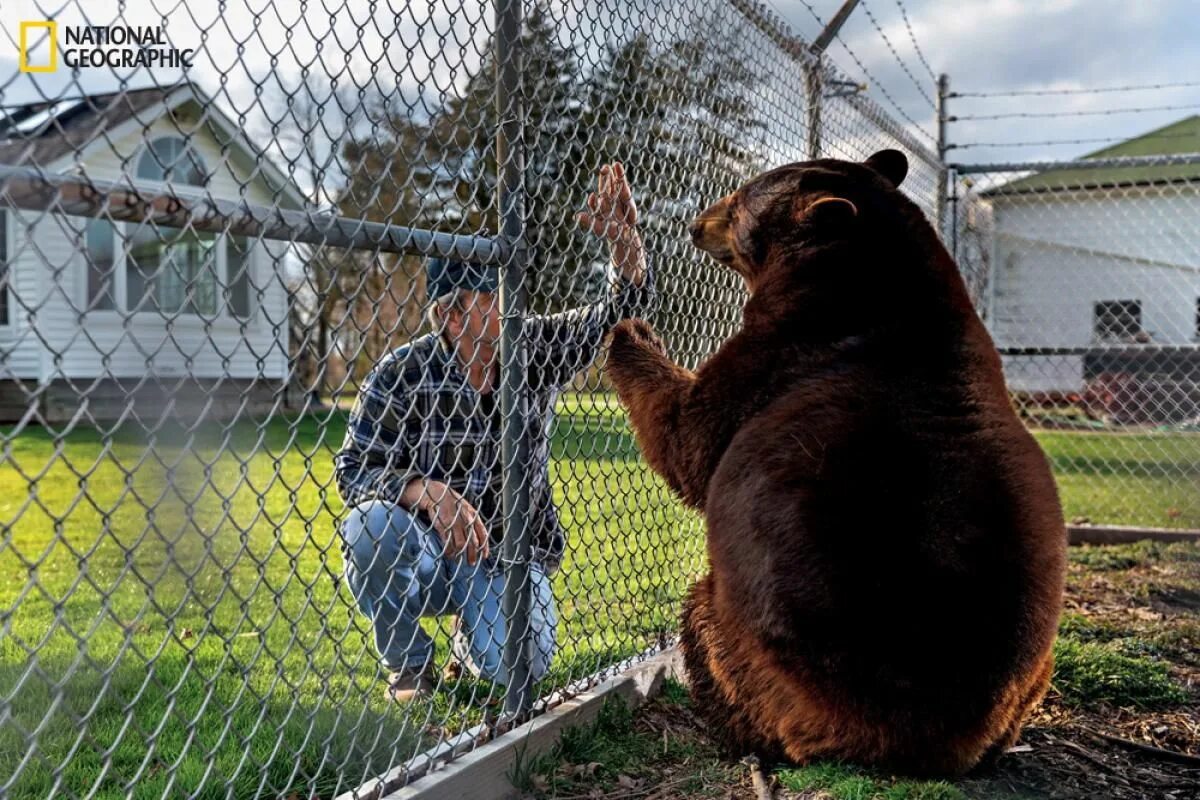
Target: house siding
1056, 257
49, 273
19, 343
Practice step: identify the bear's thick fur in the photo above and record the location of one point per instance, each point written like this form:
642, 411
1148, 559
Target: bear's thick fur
885, 538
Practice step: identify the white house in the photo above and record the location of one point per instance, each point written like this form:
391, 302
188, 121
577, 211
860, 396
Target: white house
1099, 268
95, 312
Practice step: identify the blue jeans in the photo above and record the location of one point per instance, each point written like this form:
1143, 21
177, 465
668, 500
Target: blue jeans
398, 573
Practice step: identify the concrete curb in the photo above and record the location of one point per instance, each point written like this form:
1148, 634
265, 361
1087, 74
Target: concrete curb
483, 773
1112, 534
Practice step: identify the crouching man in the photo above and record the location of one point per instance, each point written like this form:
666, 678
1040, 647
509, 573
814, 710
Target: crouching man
420, 467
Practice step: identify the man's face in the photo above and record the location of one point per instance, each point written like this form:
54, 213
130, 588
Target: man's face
479, 324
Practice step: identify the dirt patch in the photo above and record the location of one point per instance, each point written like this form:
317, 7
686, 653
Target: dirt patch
1073, 764
1175, 600
1137, 606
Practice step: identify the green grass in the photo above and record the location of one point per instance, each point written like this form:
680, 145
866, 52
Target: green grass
844, 782
612, 748
1107, 558
1143, 479
173, 619
1089, 673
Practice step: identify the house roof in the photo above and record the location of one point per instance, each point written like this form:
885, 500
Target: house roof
1177, 138
49, 134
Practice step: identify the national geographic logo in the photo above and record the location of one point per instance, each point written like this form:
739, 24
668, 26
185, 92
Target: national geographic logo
89, 46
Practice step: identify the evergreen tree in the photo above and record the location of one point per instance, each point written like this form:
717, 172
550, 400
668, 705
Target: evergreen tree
679, 114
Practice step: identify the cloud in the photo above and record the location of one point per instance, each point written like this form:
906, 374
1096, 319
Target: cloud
994, 45
244, 46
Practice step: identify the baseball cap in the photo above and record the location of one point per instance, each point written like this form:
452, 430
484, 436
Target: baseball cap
444, 275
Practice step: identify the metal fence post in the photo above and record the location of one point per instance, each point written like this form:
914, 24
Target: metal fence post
812, 101
952, 179
813, 79
943, 89
510, 164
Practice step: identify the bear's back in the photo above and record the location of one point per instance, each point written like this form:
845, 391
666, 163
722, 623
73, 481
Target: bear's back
893, 518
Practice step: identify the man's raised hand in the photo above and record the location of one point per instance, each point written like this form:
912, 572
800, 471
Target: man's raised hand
611, 213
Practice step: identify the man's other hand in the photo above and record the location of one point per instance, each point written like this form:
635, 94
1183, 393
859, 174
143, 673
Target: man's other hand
455, 520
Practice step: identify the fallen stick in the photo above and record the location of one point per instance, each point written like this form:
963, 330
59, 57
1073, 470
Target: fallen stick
1149, 749
762, 785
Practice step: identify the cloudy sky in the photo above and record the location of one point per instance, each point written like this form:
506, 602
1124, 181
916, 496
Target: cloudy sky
1007, 45
983, 45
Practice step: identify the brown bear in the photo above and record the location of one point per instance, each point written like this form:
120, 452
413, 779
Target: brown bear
885, 539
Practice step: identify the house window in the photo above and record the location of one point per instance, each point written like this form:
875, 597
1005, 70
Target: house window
161, 270
171, 271
171, 159
237, 285
1118, 320
4, 318
99, 251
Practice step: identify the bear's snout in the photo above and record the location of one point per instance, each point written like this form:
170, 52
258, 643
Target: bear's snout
710, 230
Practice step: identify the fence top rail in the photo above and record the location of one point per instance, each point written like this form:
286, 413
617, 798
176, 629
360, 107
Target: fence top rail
33, 189
1174, 159
1148, 349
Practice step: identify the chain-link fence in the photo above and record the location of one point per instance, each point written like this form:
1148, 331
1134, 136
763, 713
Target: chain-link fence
1088, 275
237, 440
252, 396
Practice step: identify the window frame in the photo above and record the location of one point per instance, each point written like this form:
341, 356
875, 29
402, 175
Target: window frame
117, 277
174, 184
1116, 337
223, 318
6, 248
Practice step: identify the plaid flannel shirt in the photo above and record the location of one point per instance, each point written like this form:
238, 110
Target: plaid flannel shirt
417, 416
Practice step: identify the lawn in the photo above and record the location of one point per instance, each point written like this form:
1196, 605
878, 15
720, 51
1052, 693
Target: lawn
1115, 478
174, 623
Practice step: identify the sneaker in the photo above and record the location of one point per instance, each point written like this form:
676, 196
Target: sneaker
453, 671
460, 652
406, 686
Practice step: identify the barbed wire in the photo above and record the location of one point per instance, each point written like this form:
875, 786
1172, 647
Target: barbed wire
1086, 113
871, 79
1096, 90
808, 6
1049, 142
917, 127
916, 47
921, 89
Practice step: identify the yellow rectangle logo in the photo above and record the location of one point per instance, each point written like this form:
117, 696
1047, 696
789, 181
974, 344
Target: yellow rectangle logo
52, 29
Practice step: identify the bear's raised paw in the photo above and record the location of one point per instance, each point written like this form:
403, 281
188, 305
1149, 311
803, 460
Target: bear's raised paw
635, 334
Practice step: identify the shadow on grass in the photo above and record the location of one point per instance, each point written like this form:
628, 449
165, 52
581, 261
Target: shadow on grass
200, 723
188, 727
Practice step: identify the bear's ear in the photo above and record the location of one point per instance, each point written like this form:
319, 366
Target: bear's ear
826, 209
891, 164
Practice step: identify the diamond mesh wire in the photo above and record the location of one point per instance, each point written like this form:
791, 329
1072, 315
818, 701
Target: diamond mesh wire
1086, 273
230, 419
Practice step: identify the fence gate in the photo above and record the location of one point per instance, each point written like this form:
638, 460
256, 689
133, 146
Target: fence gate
216, 222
